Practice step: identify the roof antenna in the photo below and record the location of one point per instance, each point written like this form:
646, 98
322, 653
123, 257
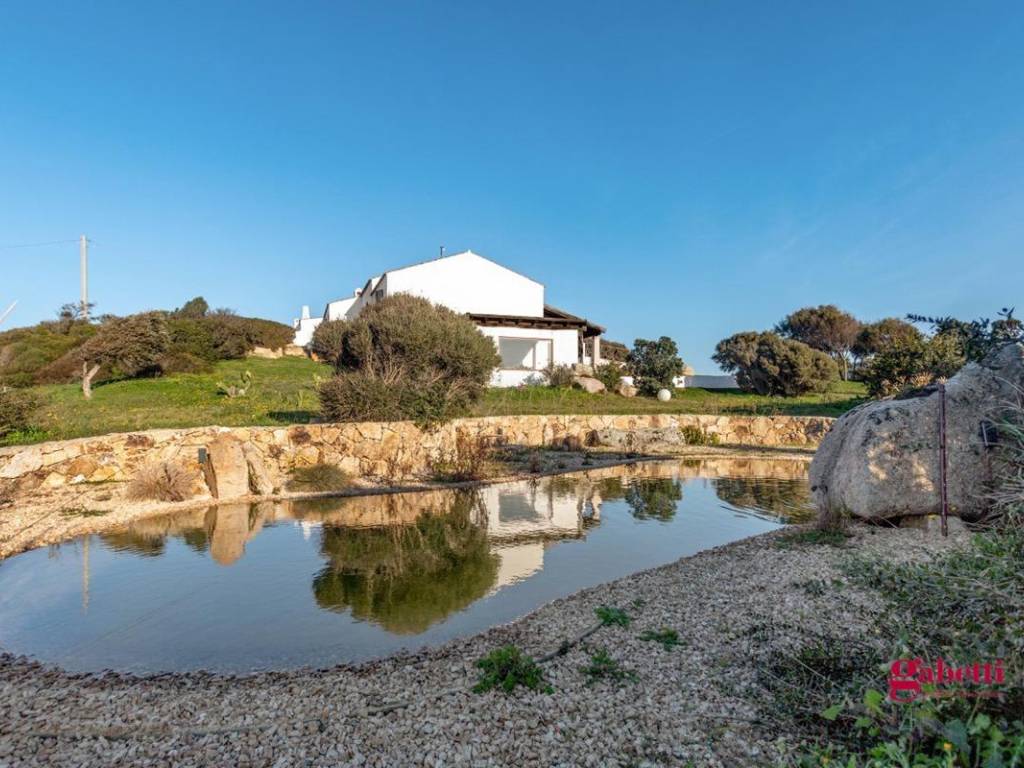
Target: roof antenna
442, 252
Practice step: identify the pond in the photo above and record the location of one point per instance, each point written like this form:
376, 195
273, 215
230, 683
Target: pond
280, 585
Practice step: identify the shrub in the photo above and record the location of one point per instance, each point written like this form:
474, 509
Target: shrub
405, 358
166, 481
912, 364
318, 478
327, 340
559, 376
695, 435
610, 375
508, 667
655, 365
194, 308
767, 364
16, 408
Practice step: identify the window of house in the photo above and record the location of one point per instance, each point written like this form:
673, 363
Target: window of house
524, 354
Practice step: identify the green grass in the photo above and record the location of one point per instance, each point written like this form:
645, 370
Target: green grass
284, 392
542, 400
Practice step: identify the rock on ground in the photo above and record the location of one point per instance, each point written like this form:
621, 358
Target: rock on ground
881, 460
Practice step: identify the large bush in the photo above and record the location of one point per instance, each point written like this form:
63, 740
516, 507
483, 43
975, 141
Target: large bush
884, 335
123, 348
654, 364
25, 352
767, 364
405, 358
912, 363
327, 340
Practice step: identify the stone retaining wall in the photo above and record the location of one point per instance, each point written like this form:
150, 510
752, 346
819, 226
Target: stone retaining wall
391, 451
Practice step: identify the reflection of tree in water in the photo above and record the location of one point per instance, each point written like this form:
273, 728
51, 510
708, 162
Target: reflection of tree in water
790, 499
654, 498
407, 577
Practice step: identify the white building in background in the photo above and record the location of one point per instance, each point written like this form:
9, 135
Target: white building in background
506, 306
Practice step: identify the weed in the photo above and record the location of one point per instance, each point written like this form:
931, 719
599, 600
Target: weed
239, 388
693, 434
165, 481
668, 638
507, 667
604, 667
467, 459
318, 478
610, 617
812, 537
71, 512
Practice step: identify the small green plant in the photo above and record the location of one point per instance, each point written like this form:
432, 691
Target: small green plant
239, 388
696, 435
604, 667
318, 478
812, 537
508, 667
668, 638
609, 374
559, 376
612, 617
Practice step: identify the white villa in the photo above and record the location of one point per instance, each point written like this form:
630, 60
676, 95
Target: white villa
506, 306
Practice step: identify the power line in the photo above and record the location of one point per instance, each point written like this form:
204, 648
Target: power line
37, 245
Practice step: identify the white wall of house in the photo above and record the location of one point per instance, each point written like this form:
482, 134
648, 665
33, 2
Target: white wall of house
526, 352
710, 382
304, 327
466, 282
338, 310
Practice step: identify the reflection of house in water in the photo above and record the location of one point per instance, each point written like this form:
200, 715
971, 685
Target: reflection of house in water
523, 517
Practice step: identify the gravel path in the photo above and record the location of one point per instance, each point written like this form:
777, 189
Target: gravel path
695, 704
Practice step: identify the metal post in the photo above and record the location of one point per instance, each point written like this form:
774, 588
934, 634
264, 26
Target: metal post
83, 255
942, 459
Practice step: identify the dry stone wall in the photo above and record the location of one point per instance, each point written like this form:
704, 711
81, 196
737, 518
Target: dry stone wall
392, 451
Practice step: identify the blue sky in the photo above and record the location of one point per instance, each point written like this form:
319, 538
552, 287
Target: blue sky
683, 168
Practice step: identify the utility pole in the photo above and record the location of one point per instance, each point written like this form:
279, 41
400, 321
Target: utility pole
83, 255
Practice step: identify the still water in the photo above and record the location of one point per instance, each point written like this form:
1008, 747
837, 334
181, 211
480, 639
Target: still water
289, 584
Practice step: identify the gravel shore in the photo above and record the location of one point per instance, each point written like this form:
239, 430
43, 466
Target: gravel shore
694, 704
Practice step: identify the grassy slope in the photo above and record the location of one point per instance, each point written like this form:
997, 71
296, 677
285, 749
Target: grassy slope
284, 393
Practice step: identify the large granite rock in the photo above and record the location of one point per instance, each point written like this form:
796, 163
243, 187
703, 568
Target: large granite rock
588, 384
881, 460
226, 470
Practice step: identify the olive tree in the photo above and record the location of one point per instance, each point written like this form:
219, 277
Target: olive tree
768, 364
654, 364
825, 328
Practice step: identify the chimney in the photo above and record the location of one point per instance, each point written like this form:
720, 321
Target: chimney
305, 312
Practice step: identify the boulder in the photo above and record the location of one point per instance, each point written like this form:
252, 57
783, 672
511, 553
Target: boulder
226, 470
260, 481
589, 384
645, 439
626, 390
881, 460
